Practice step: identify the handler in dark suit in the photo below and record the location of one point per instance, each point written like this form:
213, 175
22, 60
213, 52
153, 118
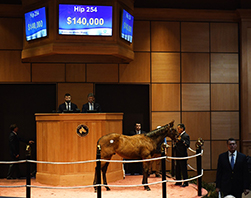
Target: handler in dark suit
67, 105
232, 172
14, 140
91, 105
183, 142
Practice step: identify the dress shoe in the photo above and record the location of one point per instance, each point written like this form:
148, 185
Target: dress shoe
178, 184
184, 185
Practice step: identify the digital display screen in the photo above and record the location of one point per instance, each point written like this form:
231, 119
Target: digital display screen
35, 24
127, 26
85, 20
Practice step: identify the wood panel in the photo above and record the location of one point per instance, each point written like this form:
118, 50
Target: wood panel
197, 124
225, 97
224, 37
42, 72
162, 118
136, 71
141, 34
11, 33
195, 97
165, 67
162, 14
206, 160
165, 36
102, 73
12, 69
165, 97
75, 73
225, 125
224, 68
195, 67
78, 91
194, 37
219, 147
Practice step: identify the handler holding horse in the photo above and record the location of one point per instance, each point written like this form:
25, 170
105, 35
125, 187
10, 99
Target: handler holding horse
142, 146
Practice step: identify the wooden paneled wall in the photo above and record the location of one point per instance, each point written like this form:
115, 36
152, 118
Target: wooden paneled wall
192, 68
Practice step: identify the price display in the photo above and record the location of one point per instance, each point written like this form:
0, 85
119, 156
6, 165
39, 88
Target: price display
127, 26
35, 24
85, 20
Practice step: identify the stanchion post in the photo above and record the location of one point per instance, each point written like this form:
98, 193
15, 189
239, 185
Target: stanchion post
163, 163
98, 171
28, 175
199, 180
173, 161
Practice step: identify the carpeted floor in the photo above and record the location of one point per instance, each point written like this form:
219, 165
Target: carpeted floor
156, 190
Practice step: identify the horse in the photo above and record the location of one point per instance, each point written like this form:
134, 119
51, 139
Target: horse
141, 146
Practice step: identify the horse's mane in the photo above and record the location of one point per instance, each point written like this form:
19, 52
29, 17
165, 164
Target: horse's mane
156, 132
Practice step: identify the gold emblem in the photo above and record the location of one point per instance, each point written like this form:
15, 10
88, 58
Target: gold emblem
82, 130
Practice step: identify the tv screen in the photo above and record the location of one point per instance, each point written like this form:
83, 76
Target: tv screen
85, 20
35, 24
127, 26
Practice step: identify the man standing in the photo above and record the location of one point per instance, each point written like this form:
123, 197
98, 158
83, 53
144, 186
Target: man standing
182, 143
91, 105
14, 140
67, 105
232, 172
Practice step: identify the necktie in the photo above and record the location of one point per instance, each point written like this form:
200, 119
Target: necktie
232, 161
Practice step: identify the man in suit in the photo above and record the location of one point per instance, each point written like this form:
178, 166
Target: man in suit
182, 143
232, 172
67, 105
14, 140
91, 105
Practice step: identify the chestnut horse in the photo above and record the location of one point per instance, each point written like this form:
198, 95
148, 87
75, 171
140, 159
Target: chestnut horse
142, 146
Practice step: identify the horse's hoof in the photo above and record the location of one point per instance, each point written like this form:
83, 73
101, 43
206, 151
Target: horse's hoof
95, 190
107, 189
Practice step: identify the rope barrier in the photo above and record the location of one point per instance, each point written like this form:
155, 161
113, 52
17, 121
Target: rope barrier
12, 162
103, 185
20, 186
45, 162
91, 161
102, 160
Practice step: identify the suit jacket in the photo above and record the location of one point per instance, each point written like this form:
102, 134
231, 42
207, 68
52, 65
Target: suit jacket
62, 107
182, 145
232, 181
14, 144
131, 133
85, 107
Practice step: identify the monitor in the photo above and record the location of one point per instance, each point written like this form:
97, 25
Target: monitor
35, 24
92, 20
127, 26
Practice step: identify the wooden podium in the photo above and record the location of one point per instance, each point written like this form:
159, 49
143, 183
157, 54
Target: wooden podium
58, 141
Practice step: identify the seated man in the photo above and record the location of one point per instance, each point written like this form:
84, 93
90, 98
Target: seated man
67, 105
91, 105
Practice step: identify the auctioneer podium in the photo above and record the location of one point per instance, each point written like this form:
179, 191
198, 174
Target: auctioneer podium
67, 137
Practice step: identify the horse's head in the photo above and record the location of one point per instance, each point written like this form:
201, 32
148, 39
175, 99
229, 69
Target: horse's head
172, 132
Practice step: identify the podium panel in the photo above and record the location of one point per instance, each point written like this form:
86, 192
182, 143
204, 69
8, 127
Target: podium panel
68, 137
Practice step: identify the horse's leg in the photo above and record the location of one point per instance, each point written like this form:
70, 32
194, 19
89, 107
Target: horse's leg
103, 164
146, 166
104, 170
95, 179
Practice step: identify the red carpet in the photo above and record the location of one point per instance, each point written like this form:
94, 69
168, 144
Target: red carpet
139, 192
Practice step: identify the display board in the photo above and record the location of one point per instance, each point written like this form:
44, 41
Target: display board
90, 20
127, 26
35, 24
